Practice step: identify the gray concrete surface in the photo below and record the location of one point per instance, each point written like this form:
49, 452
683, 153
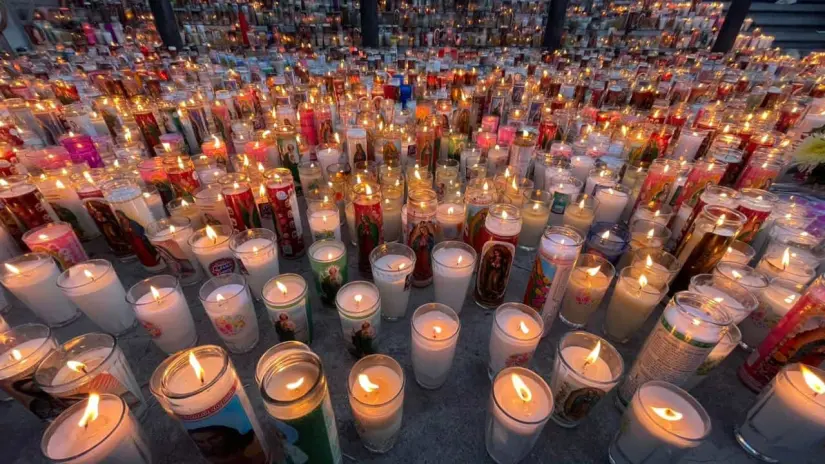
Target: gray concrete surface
442, 426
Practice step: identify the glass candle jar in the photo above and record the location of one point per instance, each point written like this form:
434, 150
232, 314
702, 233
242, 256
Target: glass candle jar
580, 213
170, 236
634, 298
775, 301
728, 343
22, 349
328, 259
32, 279
393, 271
94, 287
535, 212
287, 302
229, 305
359, 309
257, 251
162, 310
368, 220
586, 288
496, 247
435, 329
586, 368
211, 247
608, 240
376, 397
516, 332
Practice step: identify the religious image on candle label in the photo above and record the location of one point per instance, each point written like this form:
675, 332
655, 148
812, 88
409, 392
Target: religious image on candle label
224, 433
314, 433
137, 238
362, 338
292, 324
23, 388
575, 404
494, 270
422, 241
476, 215
176, 259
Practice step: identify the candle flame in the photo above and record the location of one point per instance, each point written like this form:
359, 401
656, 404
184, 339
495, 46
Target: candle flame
594, 355
485, 186
650, 233
581, 204
523, 327
642, 281
281, 287
521, 388
366, 384
649, 261
210, 232
593, 271
90, 413
76, 366
668, 414
368, 189
180, 163
12, 268
196, 366
15, 355
219, 297
436, 331
59, 184
790, 299
814, 382
88, 274
736, 275
295, 385
358, 299
721, 220
786, 258
606, 235
155, 293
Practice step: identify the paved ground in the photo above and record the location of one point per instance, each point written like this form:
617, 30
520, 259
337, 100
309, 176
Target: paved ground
443, 426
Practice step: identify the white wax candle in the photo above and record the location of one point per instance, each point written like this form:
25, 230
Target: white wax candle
96, 289
35, 284
214, 255
584, 294
391, 213
453, 271
579, 217
632, 302
450, 219
259, 257
513, 340
611, 205
360, 327
580, 166
349, 211
30, 357
433, 347
155, 203
378, 412
232, 313
774, 302
519, 409
728, 301
189, 211
325, 225
393, 285
286, 301
602, 179
534, 218
167, 318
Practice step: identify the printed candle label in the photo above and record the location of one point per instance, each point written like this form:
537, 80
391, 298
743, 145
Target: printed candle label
136, 234
369, 224
232, 326
573, 402
314, 437
222, 266
755, 219
293, 323
546, 287
667, 355
476, 216
361, 335
175, 258
329, 278
560, 201
184, 183
421, 238
22, 388
287, 220
267, 215
798, 337
495, 263
65, 249
29, 208
150, 129
104, 382
243, 212
63, 210
224, 433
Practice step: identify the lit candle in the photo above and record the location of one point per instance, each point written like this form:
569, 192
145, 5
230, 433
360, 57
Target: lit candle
211, 246
98, 429
520, 405
59, 240
774, 302
161, 309
633, 300
734, 298
787, 265
324, 221
535, 212
328, 259
435, 330
612, 202
94, 287
453, 267
376, 396
586, 368
359, 308
170, 236
662, 423
228, 304
182, 209
517, 329
32, 279
393, 267
586, 289
286, 301
450, 219
257, 251
21, 351
496, 247
580, 213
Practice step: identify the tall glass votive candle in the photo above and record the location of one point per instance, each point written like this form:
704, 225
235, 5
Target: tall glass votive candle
496, 247
586, 289
162, 310
453, 267
788, 417
660, 214
257, 251
110, 434
599, 178
294, 388
212, 207
580, 213
730, 340
421, 234
450, 220
392, 215
133, 213
661, 424
435, 330
516, 332
558, 251
609, 241
280, 189
520, 405
170, 236
287, 302
612, 203
563, 188
229, 305
376, 397
393, 267
774, 302
324, 220
688, 330
739, 252
786, 264
21, 350
659, 265
59, 240
90, 363
634, 298
368, 220
359, 308
94, 287
32, 279
211, 247
644, 234
479, 195
328, 259
200, 388
535, 212
586, 368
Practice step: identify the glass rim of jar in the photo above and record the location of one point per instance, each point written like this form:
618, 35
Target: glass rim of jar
617, 231
598, 261
148, 282
284, 278
364, 314
496, 211
818, 372
744, 248
285, 361
73, 411
442, 308
179, 361
229, 281
270, 355
339, 245
155, 228
64, 276
239, 238
631, 275
233, 177
177, 203
797, 266
208, 192
458, 245
62, 351
700, 410
527, 310
757, 195
62, 228
642, 225
664, 209
220, 232
714, 214
618, 188
284, 175
529, 195
371, 358
42, 259
728, 267
567, 232
605, 346
123, 187
17, 189
694, 305
733, 289
392, 248
523, 372
47, 337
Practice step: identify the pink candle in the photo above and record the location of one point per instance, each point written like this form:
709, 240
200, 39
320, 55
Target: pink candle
81, 149
216, 148
59, 240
